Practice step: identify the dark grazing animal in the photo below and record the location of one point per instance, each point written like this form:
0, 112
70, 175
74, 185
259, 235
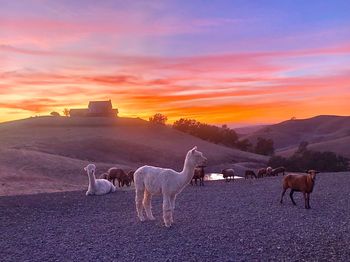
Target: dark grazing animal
262, 172
131, 176
103, 176
228, 174
119, 174
300, 183
198, 175
278, 170
249, 173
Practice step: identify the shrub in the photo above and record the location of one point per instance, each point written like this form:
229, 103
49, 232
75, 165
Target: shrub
55, 114
159, 119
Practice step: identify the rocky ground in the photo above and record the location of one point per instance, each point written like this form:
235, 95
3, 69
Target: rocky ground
240, 221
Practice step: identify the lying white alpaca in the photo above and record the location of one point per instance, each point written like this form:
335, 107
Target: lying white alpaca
97, 186
151, 180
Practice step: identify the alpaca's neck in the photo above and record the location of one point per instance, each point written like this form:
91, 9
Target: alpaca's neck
187, 173
92, 180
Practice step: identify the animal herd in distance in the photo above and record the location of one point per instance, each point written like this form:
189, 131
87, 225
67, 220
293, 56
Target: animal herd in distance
150, 180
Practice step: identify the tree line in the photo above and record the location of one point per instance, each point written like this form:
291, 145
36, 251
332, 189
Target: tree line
305, 159
300, 161
219, 135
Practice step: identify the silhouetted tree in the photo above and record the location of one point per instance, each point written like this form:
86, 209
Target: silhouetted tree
158, 119
264, 146
244, 145
66, 112
302, 147
219, 135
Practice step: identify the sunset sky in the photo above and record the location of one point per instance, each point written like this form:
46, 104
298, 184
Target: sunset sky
233, 62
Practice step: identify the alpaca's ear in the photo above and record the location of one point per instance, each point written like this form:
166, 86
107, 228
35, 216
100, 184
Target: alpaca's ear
195, 148
85, 168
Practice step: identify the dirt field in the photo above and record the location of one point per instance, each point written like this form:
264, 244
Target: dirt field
240, 221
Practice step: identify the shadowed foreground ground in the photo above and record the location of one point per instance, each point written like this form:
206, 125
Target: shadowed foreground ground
219, 222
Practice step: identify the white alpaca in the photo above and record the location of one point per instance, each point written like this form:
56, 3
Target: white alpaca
151, 180
97, 186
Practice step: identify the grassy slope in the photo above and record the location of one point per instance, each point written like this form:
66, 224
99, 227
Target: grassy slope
47, 154
322, 132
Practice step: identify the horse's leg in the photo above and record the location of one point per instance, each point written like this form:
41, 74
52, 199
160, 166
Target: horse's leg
167, 210
147, 197
139, 193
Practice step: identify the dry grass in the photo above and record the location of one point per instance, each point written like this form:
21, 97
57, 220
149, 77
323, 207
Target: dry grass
47, 154
324, 133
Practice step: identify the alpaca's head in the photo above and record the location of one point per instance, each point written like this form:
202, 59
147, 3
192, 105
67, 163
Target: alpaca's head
90, 169
196, 158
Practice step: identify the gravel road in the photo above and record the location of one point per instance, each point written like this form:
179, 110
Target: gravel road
240, 221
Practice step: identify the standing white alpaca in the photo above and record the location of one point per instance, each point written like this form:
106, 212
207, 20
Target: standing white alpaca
151, 180
97, 186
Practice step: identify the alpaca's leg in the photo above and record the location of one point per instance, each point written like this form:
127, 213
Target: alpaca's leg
172, 203
167, 210
147, 205
138, 200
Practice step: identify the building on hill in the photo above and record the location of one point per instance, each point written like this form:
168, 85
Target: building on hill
78, 112
95, 109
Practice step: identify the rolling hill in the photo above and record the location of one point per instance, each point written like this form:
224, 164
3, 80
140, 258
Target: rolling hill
324, 133
46, 154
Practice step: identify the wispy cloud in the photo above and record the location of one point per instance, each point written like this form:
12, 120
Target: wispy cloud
224, 65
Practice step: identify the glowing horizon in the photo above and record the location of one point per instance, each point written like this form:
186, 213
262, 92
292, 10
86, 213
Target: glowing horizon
228, 62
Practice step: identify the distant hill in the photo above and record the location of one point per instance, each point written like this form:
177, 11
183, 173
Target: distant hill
324, 133
248, 130
47, 154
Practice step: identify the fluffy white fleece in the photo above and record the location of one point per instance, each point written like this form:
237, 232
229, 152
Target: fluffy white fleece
97, 186
151, 180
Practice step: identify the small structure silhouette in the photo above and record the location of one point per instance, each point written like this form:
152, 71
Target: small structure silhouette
95, 109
